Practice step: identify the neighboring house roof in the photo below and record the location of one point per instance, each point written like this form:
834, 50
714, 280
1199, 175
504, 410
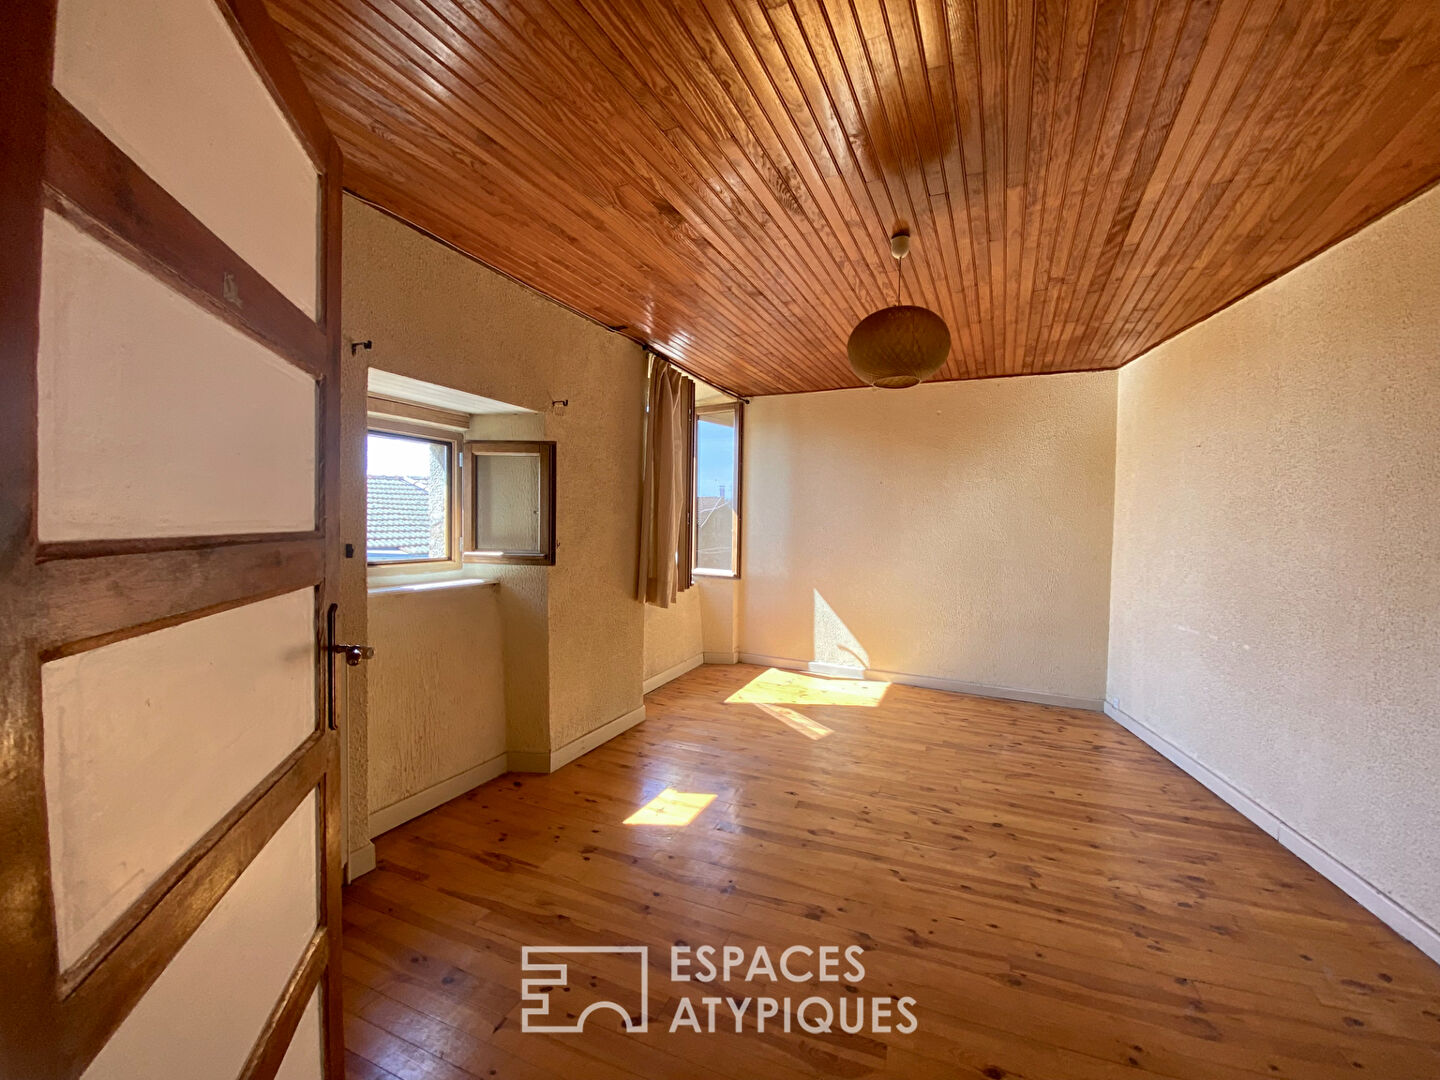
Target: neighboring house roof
398, 514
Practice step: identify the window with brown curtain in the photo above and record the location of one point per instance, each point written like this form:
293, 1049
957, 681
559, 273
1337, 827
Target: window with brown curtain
666, 507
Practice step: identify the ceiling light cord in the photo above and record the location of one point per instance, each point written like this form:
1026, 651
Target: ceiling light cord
898, 346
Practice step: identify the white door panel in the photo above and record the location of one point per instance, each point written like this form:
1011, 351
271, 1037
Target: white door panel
167, 81
151, 740
203, 1015
156, 418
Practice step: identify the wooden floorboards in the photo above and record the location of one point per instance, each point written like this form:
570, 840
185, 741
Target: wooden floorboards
1062, 903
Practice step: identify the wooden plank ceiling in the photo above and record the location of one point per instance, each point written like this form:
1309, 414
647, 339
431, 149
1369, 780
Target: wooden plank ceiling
1083, 178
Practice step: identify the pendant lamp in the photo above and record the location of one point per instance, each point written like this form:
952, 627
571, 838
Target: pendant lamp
899, 346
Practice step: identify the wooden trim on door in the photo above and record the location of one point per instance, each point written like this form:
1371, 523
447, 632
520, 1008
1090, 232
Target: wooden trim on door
256, 33
333, 842
29, 959
60, 598
279, 1030
98, 992
97, 187
87, 603
156, 545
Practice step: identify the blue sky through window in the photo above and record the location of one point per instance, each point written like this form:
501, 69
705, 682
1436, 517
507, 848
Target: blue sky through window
715, 458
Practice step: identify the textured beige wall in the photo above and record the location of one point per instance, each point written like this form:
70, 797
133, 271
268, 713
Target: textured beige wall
718, 616
437, 702
524, 613
353, 623
672, 635
436, 315
1276, 605
956, 530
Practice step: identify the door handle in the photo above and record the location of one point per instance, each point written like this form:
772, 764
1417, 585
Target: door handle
354, 653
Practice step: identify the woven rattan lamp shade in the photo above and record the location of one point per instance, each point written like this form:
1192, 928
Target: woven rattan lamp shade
898, 347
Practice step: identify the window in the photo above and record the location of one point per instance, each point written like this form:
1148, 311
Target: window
439, 499
717, 489
411, 510
511, 495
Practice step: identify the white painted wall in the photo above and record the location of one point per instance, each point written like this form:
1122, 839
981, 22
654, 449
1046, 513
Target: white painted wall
1276, 586
957, 532
203, 1014
156, 418
151, 740
169, 84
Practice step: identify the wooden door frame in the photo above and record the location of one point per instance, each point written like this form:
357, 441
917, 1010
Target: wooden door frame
58, 599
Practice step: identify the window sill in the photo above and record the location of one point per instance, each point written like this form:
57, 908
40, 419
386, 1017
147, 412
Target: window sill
400, 575
430, 586
723, 575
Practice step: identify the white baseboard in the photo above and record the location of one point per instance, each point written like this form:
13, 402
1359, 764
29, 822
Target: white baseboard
542, 761
657, 681
731, 657
930, 682
838, 671
1404, 922
361, 861
383, 820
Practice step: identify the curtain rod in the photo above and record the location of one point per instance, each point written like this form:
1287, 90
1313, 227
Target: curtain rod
698, 378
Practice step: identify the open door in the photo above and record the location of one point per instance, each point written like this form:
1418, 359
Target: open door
169, 336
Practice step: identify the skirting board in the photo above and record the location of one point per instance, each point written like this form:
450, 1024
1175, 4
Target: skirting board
929, 682
531, 761
657, 681
382, 821
731, 657
361, 861
1404, 922
541, 761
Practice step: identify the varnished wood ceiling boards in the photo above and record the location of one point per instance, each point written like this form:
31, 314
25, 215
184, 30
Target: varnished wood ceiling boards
1083, 178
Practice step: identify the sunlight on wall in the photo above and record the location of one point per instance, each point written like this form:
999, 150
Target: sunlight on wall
834, 643
776, 687
671, 807
811, 729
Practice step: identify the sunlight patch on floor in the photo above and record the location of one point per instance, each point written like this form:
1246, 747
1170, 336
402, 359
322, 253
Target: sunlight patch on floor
671, 807
776, 687
811, 729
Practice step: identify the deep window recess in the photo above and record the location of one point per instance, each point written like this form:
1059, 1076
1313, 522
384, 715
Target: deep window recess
412, 506
717, 489
510, 492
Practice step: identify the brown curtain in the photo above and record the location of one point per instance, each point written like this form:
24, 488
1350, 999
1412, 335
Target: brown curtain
666, 503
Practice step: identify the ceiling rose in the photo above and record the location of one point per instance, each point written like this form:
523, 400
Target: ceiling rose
899, 346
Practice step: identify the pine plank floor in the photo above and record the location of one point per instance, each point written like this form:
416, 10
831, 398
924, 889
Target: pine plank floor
1062, 903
